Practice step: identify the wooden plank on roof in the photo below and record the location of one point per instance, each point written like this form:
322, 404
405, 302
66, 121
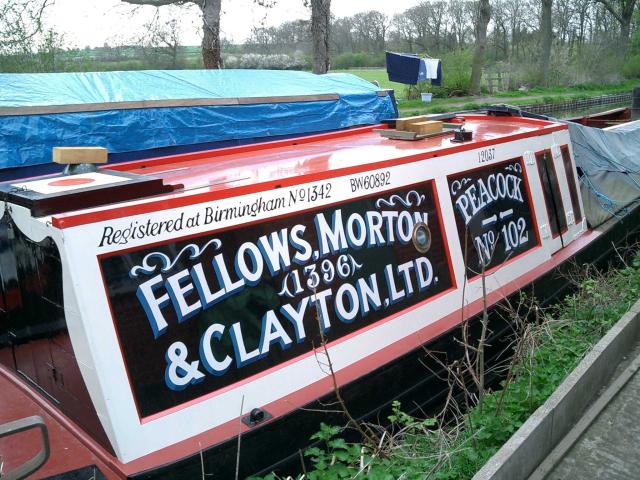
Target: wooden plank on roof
401, 123
75, 155
190, 102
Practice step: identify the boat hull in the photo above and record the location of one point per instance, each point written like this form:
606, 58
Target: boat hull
208, 301
414, 379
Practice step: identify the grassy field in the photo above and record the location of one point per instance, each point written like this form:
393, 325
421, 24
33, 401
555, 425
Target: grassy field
534, 95
377, 74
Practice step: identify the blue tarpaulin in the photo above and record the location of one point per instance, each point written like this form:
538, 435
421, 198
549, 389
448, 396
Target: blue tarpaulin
144, 110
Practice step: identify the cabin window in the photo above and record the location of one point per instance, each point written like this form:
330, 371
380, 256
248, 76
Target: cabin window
552, 195
493, 214
571, 180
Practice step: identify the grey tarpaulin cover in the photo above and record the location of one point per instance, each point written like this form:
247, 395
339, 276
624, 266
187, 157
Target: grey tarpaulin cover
608, 162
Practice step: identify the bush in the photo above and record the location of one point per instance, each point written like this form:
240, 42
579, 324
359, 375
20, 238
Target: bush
438, 110
456, 78
631, 67
457, 72
279, 61
345, 61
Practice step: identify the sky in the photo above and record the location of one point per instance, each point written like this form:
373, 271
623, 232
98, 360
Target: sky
94, 22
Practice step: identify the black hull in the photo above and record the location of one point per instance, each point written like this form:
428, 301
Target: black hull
277, 445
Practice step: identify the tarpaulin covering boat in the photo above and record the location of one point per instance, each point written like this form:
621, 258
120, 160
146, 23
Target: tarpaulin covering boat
129, 112
608, 163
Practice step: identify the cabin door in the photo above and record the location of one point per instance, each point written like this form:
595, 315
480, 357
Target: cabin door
571, 198
560, 195
554, 229
30, 317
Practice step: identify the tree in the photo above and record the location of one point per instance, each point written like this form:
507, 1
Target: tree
294, 35
438, 10
20, 23
320, 24
320, 29
342, 35
459, 15
25, 46
370, 30
546, 36
162, 38
583, 8
287, 38
262, 40
622, 11
210, 26
483, 16
500, 35
49, 50
420, 18
403, 31
563, 11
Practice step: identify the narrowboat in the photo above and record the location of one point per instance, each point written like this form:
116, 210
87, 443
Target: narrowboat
609, 118
172, 317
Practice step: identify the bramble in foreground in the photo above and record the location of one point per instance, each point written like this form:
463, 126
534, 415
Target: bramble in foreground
545, 353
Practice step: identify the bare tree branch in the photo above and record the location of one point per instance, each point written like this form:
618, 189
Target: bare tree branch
160, 3
609, 6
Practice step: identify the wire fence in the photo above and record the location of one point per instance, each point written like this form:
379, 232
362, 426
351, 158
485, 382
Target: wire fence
573, 105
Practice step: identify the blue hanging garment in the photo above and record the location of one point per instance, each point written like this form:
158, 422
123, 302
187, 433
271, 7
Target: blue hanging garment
410, 69
422, 71
403, 67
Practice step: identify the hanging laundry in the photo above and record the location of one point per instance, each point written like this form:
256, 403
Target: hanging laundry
433, 68
403, 68
410, 69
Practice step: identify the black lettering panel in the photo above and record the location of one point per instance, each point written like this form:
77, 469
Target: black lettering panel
196, 315
493, 214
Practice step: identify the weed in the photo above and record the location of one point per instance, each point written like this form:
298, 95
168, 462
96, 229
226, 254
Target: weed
440, 109
549, 347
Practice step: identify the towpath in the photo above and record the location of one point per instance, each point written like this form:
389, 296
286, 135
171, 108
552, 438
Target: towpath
478, 101
609, 447
573, 103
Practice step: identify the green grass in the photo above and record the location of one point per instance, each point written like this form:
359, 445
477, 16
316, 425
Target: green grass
439, 105
377, 74
586, 89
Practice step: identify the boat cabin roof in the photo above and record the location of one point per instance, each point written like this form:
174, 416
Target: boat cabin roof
232, 167
243, 169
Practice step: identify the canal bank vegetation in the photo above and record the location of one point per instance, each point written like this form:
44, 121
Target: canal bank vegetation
455, 445
537, 95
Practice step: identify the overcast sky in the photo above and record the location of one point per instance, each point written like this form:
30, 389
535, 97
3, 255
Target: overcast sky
94, 22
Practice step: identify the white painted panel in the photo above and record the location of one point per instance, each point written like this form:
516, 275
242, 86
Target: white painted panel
96, 345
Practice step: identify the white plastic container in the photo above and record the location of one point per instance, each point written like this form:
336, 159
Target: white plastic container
426, 97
